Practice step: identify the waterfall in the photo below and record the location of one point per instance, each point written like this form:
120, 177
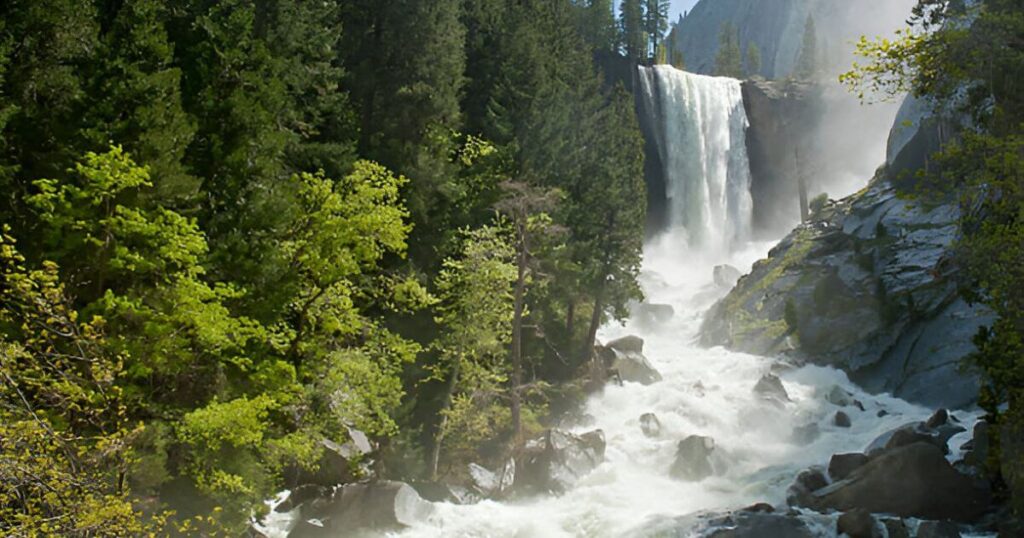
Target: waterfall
699, 126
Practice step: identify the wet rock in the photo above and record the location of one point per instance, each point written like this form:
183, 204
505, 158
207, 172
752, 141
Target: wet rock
438, 492
841, 465
693, 459
726, 276
627, 344
337, 463
842, 420
769, 387
557, 460
895, 528
882, 413
649, 314
801, 492
300, 495
938, 529
760, 508
491, 484
838, 396
915, 432
384, 505
978, 448
806, 434
650, 425
858, 523
635, 368
758, 525
939, 418
909, 481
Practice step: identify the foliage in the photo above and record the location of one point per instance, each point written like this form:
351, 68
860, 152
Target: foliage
753, 59
729, 59
808, 62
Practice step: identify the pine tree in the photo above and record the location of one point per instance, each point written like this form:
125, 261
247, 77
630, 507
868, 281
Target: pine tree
631, 24
597, 24
656, 23
807, 62
753, 59
729, 60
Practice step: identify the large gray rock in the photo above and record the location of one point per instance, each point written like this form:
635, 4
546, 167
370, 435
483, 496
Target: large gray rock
740, 524
634, 368
340, 462
866, 286
491, 484
650, 425
555, 462
858, 523
382, 506
694, 459
909, 481
770, 387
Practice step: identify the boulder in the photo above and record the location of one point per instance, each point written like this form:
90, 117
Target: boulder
635, 368
649, 314
440, 492
838, 396
650, 425
300, 495
842, 420
627, 344
800, 493
489, 484
693, 459
769, 387
841, 465
908, 481
758, 525
858, 523
340, 463
383, 505
895, 528
937, 529
916, 432
557, 460
726, 276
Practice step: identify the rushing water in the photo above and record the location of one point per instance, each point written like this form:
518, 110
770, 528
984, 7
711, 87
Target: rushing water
700, 131
704, 391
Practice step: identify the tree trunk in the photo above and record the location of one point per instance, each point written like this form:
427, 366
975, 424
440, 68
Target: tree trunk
435, 452
595, 324
570, 319
517, 333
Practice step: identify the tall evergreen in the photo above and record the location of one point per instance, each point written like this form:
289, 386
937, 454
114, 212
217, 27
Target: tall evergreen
753, 59
656, 23
631, 27
729, 60
807, 61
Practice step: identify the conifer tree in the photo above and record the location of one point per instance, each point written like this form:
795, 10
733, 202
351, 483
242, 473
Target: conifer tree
807, 61
631, 24
753, 59
729, 60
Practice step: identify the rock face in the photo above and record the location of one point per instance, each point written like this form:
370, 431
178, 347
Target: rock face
866, 286
557, 460
381, 505
909, 481
694, 459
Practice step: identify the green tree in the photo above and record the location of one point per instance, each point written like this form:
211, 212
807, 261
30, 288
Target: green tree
656, 24
475, 313
631, 24
753, 59
597, 24
807, 63
729, 59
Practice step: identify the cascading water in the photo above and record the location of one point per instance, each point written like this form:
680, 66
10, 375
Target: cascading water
706, 392
700, 131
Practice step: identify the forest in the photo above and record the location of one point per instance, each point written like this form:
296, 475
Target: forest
238, 234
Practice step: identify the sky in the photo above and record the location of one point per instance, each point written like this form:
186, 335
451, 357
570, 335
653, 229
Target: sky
678, 7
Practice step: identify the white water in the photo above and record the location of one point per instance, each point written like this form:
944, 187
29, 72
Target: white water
705, 392
701, 139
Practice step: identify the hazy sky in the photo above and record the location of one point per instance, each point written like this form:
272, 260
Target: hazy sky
678, 6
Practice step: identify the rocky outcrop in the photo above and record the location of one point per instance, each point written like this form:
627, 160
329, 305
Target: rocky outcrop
624, 360
909, 481
383, 505
758, 522
867, 286
694, 459
555, 462
340, 463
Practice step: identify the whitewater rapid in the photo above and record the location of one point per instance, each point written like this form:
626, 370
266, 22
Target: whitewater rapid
705, 392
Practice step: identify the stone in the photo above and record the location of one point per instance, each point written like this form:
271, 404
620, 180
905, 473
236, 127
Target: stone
634, 368
440, 492
842, 420
770, 387
693, 459
800, 493
858, 523
915, 432
300, 495
760, 508
627, 344
650, 425
758, 525
491, 484
939, 418
909, 481
650, 314
554, 462
336, 463
841, 465
726, 276
837, 396
383, 505
895, 528
937, 529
